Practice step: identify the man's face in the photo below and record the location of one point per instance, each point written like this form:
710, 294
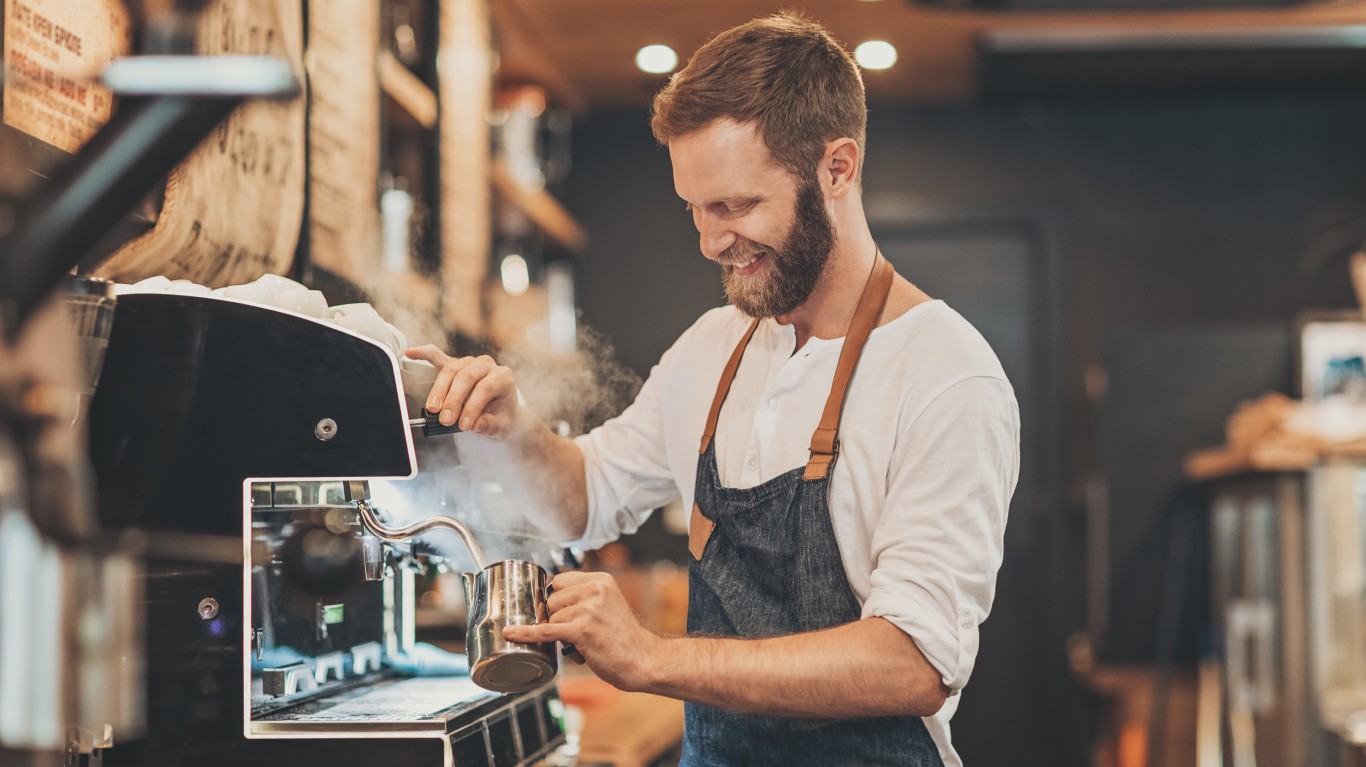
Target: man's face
771, 234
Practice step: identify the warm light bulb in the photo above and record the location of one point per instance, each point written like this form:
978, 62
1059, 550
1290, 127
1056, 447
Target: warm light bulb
516, 276
875, 54
656, 59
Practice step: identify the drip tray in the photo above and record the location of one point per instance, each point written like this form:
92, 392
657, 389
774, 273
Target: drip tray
433, 704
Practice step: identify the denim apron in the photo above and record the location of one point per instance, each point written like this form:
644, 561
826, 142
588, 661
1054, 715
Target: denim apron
765, 563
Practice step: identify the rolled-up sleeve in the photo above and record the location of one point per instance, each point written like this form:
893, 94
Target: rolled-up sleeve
626, 465
938, 545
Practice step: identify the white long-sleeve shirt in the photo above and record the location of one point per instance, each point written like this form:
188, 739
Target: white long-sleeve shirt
929, 457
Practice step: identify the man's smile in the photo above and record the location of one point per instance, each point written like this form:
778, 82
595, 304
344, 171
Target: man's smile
747, 268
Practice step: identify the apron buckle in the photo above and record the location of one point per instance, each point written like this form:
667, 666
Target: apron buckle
818, 467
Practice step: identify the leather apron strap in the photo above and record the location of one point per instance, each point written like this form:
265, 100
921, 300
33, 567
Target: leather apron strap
723, 387
699, 525
825, 440
825, 444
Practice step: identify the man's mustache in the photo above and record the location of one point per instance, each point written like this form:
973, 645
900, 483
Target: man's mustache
742, 251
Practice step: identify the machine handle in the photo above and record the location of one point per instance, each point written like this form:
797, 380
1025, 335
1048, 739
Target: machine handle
431, 425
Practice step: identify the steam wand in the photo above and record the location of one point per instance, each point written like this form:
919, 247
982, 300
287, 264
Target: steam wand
358, 492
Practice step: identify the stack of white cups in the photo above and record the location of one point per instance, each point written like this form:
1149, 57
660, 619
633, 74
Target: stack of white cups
283, 293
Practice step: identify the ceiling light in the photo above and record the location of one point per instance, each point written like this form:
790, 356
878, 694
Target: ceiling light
875, 54
656, 59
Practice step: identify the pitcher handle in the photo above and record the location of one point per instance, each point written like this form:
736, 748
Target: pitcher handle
567, 649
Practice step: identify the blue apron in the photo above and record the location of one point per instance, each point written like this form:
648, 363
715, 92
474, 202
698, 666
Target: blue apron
765, 563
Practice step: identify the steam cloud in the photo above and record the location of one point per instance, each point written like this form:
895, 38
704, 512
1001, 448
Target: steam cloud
390, 297
582, 390
462, 476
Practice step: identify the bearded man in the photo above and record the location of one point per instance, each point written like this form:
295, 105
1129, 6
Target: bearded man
848, 445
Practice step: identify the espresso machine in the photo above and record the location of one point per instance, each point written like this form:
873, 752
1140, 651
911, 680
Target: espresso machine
263, 456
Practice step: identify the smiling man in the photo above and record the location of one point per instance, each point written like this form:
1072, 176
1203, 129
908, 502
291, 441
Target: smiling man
848, 445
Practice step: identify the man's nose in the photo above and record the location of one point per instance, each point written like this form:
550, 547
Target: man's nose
713, 237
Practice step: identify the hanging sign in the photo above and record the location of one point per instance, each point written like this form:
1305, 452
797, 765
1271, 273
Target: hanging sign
54, 51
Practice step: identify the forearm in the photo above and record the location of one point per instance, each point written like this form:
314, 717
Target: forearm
866, 668
543, 474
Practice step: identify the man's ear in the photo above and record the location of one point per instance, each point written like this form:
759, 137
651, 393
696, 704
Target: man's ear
840, 167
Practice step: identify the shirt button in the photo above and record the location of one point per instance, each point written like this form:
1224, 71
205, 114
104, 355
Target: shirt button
965, 623
773, 403
752, 462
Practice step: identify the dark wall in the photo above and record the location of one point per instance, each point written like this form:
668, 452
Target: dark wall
1192, 211
1190, 214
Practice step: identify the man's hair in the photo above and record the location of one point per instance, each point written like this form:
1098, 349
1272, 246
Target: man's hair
784, 74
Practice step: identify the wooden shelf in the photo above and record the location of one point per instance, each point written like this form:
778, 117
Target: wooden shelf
406, 90
544, 210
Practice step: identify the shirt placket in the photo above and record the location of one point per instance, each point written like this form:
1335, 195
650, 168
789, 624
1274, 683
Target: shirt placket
789, 371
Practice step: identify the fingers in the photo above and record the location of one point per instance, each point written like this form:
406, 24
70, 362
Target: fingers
540, 632
437, 396
564, 626
467, 390
428, 353
571, 578
494, 385
467, 376
446, 368
578, 590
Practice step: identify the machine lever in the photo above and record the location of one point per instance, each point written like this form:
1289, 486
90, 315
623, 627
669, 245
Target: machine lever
431, 425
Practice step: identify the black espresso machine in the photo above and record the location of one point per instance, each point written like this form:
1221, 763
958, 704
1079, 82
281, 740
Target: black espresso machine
233, 437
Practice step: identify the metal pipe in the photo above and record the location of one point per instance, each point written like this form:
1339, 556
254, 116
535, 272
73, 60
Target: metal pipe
378, 528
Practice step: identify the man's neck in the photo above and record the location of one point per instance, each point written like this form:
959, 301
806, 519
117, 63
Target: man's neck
827, 311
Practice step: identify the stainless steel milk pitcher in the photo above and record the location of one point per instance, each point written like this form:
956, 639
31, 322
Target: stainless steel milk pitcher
507, 593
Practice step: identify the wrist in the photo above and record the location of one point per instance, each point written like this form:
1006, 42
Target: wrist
661, 662
526, 430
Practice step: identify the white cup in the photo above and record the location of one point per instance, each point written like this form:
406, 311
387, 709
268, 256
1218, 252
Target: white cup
187, 288
254, 292
280, 284
309, 303
400, 340
368, 325
157, 284
343, 310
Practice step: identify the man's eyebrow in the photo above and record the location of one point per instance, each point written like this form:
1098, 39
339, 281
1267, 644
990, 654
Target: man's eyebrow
744, 199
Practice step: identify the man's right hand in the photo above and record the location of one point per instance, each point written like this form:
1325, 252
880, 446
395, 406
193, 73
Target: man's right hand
481, 396
475, 392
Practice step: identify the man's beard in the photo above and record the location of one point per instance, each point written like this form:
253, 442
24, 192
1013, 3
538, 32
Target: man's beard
791, 273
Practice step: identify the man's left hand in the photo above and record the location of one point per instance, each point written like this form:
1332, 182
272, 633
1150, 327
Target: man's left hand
589, 611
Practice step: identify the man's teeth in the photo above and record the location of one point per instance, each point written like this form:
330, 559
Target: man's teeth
744, 264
